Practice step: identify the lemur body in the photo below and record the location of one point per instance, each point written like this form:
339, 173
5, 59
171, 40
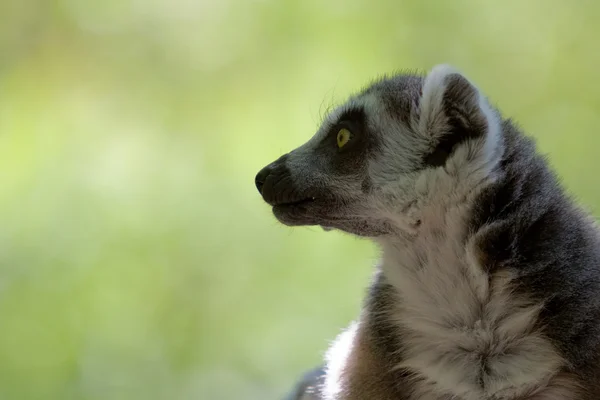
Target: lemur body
489, 282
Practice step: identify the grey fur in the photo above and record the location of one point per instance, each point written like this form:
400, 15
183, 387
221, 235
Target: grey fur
489, 284
307, 388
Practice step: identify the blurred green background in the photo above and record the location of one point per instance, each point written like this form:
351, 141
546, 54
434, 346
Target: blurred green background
137, 260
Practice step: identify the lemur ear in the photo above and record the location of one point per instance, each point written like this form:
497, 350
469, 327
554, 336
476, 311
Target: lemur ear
452, 110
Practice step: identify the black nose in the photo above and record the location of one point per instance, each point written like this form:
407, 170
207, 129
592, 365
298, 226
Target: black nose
261, 177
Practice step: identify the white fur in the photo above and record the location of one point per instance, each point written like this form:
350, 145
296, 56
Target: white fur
431, 117
439, 311
336, 358
451, 312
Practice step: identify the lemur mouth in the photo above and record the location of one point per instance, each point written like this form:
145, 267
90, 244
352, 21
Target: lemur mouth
295, 202
293, 207
297, 212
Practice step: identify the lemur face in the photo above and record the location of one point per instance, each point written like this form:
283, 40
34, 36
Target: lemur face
372, 158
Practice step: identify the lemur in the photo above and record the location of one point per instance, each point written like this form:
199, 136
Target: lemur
488, 286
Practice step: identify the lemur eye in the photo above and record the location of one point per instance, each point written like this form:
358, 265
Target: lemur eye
343, 137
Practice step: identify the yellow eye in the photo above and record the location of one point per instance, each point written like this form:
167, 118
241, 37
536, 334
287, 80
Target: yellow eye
343, 137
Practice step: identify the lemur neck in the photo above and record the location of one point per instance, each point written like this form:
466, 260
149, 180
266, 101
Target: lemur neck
444, 210
428, 230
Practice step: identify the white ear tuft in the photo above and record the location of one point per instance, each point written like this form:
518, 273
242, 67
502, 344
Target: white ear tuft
432, 118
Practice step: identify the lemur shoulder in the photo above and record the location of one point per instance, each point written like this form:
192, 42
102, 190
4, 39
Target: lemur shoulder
488, 286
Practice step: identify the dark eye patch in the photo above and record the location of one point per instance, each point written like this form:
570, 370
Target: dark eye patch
353, 119
351, 158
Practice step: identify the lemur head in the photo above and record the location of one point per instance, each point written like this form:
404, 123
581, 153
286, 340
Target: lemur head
388, 152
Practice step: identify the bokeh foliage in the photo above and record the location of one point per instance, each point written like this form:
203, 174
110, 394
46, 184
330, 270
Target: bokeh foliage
137, 260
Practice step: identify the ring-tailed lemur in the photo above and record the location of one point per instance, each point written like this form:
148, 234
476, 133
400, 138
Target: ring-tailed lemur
489, 282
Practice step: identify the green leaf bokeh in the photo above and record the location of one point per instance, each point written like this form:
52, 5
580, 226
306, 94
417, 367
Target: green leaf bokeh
137, 260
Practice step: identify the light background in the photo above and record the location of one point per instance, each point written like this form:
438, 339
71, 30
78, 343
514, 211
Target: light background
137, 260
